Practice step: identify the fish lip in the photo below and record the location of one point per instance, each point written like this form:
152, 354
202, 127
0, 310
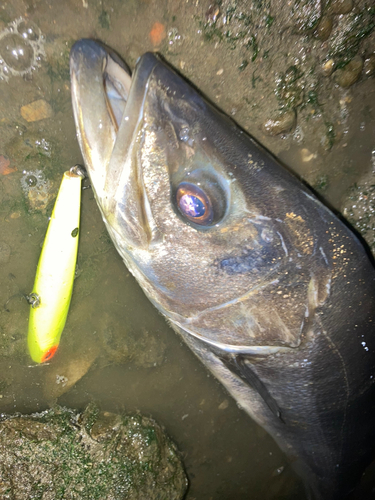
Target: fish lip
89, 61
97, 133
107, 145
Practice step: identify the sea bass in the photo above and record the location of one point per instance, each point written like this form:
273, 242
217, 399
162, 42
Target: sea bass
272, 292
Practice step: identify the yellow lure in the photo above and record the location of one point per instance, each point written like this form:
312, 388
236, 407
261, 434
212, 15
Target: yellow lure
53, 286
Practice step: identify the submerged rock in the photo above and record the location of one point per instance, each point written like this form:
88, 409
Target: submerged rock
339, 7
347, 76
324, 28
59, 454
281, 124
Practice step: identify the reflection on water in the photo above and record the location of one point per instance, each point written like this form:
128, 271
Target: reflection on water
116, 349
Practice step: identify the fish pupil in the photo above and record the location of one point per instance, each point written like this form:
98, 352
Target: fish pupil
192, 206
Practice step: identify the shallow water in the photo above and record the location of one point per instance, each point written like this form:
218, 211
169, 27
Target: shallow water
115, 345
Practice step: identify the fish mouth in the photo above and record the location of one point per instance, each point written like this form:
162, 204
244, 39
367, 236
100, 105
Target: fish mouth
108, 107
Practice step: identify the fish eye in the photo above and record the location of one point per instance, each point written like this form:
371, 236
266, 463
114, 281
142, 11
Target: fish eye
203, 199
194, 204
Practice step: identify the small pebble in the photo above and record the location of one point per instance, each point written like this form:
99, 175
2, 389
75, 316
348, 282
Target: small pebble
36, 110
5, 167
338, 7
324, 28
328, 67
224, 405
348, 75
283, 123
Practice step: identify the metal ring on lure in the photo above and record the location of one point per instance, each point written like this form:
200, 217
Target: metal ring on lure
53, 286
33, 299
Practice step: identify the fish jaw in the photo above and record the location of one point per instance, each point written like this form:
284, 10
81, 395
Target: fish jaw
107, 131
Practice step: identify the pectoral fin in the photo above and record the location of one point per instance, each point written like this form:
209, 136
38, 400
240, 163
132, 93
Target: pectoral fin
239, 365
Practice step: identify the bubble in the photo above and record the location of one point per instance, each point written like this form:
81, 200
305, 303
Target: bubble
31, 180
174, 37
21, 49
184, 134
28, 30
16, 52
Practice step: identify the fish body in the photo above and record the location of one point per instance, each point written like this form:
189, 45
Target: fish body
266, 285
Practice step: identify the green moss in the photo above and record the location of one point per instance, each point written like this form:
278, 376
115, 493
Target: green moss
104, 20
58, 67
243, 65
289, 91
253, 45
321, 183
269, 20
330, 134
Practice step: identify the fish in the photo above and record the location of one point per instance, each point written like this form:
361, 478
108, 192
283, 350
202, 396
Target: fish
266, 285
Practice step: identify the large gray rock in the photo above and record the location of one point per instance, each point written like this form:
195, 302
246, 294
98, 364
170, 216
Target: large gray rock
59, 454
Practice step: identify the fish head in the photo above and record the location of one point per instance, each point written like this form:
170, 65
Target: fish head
190, 209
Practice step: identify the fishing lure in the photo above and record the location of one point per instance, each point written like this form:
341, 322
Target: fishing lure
53, 286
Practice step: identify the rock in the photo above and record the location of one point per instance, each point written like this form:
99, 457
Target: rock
37, 110
324, 28
5, 168
337, 7
59, 454
348, 75
283, 123
328, 67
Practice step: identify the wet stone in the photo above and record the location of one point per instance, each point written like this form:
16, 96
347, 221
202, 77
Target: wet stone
36, 110
324, 28
281, 124
328, 67
338, 7
369, 65
59, 454
5, 252
350, 73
